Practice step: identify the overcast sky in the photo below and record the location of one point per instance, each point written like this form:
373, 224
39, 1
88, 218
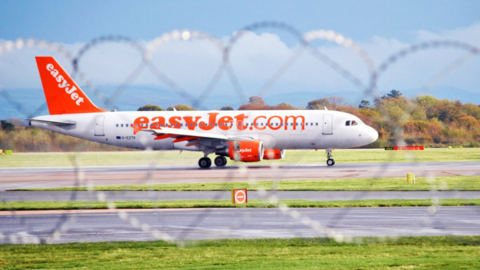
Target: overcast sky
380, 27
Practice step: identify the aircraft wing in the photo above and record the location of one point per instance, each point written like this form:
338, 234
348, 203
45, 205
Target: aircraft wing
189, 135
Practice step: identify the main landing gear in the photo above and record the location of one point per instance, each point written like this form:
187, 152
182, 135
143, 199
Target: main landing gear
206, 162
220, 161
330, 160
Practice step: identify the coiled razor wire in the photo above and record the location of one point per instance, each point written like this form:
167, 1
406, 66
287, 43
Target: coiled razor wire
368, 90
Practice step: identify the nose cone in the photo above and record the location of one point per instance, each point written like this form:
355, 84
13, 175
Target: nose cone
372, 134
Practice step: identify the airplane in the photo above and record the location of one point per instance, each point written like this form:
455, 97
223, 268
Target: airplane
246, 136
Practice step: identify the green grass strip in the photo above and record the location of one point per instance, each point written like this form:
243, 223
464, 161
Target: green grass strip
175, 158
438, 252
51, 205
370, 184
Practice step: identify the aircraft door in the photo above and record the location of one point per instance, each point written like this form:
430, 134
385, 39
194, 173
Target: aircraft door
99, 126
327, 124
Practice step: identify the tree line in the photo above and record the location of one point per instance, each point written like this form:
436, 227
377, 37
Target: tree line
424, 120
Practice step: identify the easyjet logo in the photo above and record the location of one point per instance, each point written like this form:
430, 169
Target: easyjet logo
63, 84
245, 150
223, 122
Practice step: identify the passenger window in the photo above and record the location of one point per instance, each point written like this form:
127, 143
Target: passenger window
307, 124
354, 123
347, 123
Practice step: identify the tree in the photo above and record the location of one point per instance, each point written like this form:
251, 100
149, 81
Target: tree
364, 104
226, 108
318, 104
394, 94
7, 126
257, 101
149, 107
335, 100
284, 106
254, 103
181, 107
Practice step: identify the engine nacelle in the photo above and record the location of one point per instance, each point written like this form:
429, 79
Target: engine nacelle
274, 154
246, 151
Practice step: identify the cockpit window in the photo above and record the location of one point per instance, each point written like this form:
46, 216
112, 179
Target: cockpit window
347, 123
354, 123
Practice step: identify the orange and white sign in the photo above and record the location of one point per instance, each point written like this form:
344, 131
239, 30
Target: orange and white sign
239, 196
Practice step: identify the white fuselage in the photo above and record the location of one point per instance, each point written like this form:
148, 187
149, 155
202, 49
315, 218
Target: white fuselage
293, 129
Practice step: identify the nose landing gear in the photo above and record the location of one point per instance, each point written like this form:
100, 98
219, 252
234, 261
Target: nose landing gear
330, 160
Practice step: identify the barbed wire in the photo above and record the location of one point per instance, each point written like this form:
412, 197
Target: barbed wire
268, 196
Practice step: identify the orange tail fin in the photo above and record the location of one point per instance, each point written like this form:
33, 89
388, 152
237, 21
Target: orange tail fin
63, 95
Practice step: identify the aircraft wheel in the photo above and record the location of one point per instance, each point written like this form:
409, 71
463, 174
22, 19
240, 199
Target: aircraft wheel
205, 163
330, 162
220, 161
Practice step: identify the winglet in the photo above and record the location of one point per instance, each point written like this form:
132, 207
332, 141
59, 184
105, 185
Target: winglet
63, 95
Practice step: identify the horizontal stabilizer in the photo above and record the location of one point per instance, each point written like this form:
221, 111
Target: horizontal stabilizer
57, 123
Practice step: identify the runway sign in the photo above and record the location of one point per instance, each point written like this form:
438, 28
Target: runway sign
8, 152
414, 147
239, 196
411, 178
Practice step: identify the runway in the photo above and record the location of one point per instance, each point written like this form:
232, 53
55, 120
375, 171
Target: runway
10, 196
106, 225
14, 178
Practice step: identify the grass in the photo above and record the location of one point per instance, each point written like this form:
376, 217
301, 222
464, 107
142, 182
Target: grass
367, 184
438, 252
164, 158
68, 205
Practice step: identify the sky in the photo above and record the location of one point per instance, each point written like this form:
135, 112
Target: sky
381, 28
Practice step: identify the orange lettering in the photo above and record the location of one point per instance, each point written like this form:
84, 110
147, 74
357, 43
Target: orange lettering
255, 123
295, 121
159, 123
175, 121
270, 124
222, 122
190, 122
240, 121
140, 123
211, 122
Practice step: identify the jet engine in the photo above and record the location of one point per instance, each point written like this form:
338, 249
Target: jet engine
274, 154
246, 151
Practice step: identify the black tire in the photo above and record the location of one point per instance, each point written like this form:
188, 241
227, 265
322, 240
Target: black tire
220, 161
330, 162
205, 163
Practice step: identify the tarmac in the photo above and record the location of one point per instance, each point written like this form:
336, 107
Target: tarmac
188, 224
17, 178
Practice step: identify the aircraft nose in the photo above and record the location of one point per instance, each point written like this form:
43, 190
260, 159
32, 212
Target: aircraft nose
372, 134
